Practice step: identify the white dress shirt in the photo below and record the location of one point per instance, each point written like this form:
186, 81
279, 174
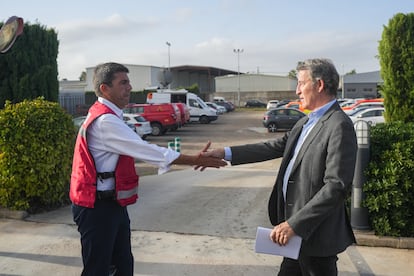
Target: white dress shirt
108, 137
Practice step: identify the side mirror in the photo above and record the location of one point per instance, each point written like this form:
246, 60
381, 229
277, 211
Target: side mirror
9, 32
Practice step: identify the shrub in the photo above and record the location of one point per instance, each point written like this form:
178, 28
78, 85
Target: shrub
389, 189
36, 147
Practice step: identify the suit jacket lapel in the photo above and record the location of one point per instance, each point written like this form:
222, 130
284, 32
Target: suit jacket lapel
312, 134
290, 146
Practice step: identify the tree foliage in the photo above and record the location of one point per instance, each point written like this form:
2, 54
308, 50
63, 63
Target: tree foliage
396, 54
29, 68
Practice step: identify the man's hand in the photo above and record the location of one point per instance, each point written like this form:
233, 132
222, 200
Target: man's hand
217, 154
202, 160
282, 233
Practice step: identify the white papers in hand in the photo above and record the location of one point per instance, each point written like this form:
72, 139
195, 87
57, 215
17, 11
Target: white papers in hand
265, 245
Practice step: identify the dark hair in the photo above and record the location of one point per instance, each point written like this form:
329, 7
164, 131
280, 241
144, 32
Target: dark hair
321, 69
104, 74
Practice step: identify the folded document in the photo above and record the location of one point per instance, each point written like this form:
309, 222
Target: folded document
265, 245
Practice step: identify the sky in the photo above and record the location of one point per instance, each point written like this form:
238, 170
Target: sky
272, 35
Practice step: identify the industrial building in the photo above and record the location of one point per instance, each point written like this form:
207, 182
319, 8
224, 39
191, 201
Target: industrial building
213, 81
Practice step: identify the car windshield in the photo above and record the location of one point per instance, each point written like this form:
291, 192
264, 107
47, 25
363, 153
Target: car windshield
140, 119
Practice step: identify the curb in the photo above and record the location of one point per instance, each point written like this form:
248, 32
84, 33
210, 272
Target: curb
10, 214
363, 237
368, 238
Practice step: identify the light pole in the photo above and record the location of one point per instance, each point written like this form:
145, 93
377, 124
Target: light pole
342, 82
238, 51
169, 45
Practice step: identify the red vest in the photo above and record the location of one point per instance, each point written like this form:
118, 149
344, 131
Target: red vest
83, 180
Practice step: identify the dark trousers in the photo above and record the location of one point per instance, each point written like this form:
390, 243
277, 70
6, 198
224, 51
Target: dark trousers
309, 266
105, 238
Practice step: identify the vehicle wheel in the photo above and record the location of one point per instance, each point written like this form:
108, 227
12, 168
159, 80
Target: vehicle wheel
144, 137
156, 129
204, 120
272, 127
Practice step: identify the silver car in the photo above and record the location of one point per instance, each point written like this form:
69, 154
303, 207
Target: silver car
372, 116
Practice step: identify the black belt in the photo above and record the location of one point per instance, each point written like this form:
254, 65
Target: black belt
105, 195
105, 175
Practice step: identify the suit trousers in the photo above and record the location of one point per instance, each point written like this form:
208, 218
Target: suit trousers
105, 238
309, 266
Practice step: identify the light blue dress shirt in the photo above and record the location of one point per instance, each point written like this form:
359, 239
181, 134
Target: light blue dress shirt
314, 117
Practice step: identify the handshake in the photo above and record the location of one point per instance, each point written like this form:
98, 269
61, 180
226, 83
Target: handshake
213, 158
204, 159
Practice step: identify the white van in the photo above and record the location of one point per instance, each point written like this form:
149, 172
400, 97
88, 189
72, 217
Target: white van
199, 110
219, 99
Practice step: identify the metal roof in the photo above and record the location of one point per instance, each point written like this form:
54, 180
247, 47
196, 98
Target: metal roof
203, 69
369, 77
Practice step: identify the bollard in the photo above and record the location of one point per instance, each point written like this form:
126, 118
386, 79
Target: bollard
359, 214
177, 144
171, 145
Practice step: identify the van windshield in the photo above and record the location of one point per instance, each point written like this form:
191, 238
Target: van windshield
201, 103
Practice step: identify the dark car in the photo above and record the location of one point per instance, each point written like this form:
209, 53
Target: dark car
226, 105
281, 118
255, 103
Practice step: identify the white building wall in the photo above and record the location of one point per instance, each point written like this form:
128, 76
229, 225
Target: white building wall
140, 76
254, 83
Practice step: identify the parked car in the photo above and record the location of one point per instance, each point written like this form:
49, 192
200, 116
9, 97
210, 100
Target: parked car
162, 117
185, 113
141, 126
364, 105
297, 105
272, 104
78, 121
368, 102
282, 103
281, 118
218, 108
372, 115
255, 103
229, 106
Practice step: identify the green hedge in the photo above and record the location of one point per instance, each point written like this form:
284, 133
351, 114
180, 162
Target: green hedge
389, 189
36, 148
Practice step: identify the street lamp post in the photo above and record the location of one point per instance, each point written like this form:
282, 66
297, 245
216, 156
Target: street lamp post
342, 82
169, 45
238, 51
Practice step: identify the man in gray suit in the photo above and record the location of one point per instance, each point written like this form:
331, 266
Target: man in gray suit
315, 176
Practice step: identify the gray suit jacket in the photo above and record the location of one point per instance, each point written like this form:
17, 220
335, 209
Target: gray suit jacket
320, 181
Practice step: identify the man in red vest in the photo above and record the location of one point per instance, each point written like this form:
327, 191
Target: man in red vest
104, 180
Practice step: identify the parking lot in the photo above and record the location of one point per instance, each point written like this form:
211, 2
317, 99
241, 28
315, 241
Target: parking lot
187, 222
232, 128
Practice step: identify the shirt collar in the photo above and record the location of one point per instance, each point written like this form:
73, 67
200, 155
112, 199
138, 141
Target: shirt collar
112, 106
318, 113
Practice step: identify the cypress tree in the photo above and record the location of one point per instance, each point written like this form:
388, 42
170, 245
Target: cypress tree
29, 69
396, 54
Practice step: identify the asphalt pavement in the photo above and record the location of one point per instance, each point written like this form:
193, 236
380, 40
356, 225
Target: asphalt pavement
185, 223
190, 223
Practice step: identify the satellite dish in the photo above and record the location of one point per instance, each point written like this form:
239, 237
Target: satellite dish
165, 77
9, 32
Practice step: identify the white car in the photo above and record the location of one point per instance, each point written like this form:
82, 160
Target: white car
372, 116
272, 104
142, 127
364, 105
